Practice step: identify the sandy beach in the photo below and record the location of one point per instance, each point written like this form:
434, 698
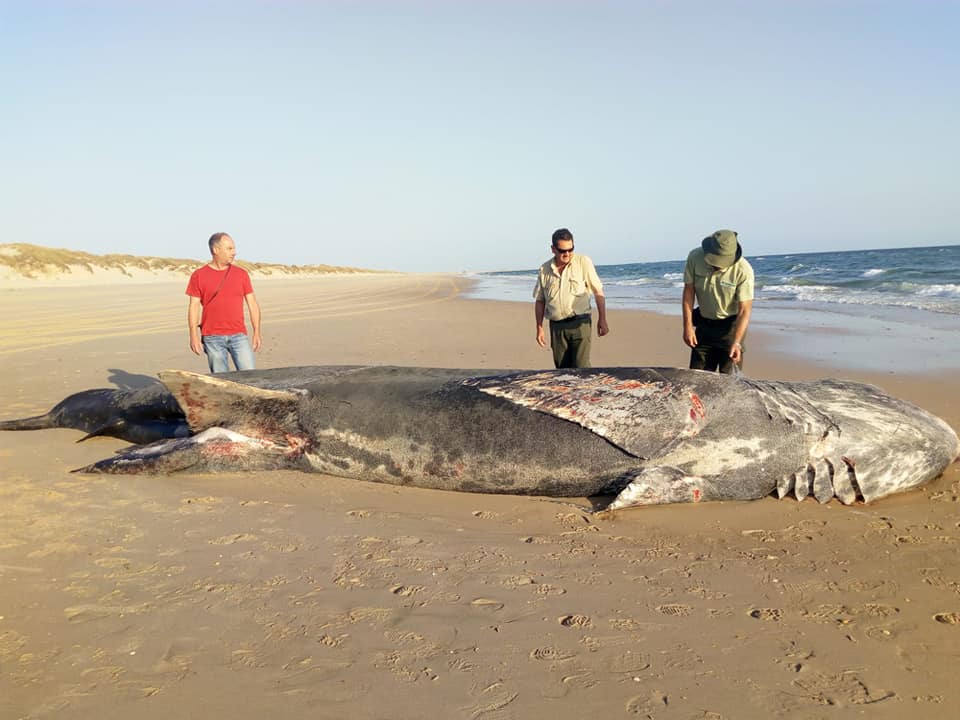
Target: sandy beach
282, 594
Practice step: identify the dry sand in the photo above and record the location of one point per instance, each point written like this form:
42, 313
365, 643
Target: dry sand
290, 595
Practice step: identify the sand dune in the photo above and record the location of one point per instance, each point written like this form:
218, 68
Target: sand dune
25, 265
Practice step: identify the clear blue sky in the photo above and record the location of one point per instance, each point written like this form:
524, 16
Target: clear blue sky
449, 135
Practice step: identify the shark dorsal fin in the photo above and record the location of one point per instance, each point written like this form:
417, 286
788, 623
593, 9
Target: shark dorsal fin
209, 401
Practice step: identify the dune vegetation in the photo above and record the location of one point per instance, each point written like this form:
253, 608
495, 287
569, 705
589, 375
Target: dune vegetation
33, 261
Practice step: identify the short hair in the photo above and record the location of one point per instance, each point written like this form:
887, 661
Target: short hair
561, 234
215, 239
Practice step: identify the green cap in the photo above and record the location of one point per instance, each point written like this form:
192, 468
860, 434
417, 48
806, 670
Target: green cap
722, 249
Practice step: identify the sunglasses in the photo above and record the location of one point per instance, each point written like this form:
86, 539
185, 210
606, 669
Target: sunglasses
564, 251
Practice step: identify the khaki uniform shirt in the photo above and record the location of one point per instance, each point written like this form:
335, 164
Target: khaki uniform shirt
568, 293
719, 293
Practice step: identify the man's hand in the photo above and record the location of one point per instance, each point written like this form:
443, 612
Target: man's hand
195, 343
257, 342
602, 328
690, 336
541, 339
736, 352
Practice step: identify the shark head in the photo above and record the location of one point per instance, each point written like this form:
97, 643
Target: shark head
861, 443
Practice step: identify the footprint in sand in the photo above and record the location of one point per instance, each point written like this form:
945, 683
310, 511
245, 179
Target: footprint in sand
330, 641
487, 604
406, 590
231, 539
627, 663
840, 689
878, 610
517, 581
578, 621
485, 514
626, 624
882, 632
548, 589
767, 614
827, 613
646, 706
246, 658
720, 612
675, 609
371, 615
947, 618
550, 654
461, 665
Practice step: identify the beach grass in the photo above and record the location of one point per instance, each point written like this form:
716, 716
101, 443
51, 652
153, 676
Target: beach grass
33, 261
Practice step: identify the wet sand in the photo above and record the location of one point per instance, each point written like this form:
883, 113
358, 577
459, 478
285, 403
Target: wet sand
281, 594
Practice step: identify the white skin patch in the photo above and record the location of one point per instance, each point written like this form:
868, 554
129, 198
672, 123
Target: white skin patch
350, 439
708, 458
345, 464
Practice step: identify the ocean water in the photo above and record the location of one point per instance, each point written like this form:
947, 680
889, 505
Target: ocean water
877, 304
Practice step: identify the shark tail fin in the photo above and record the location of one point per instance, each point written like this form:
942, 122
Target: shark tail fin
39, 422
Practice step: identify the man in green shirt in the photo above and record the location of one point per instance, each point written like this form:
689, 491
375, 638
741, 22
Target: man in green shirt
562, 295
721, 280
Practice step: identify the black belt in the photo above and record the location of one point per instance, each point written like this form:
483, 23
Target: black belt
572, 318
710, 322
699, 319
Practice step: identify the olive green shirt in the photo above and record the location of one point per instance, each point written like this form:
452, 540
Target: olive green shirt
719, 292
567, 293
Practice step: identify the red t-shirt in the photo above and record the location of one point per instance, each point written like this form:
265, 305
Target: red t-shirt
223, 315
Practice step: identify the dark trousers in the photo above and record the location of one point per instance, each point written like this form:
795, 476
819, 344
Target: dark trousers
570, 341
714, 340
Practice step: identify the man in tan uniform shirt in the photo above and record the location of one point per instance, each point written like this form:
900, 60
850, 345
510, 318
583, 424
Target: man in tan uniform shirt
720, 280
562, 295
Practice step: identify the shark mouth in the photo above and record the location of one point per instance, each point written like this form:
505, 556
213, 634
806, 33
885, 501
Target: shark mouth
213, 449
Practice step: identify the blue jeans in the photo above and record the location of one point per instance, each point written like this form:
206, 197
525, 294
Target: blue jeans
217, 347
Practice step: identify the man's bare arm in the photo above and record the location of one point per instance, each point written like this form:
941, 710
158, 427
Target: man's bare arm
254, 308
193, 325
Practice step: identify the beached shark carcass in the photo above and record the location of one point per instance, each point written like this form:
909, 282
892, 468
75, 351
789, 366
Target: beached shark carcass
646, 435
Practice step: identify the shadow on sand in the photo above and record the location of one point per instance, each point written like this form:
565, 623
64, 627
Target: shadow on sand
129, 381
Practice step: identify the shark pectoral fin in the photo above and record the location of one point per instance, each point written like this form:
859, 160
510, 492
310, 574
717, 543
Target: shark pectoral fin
117, 427
209, 401
659, 486
103, 430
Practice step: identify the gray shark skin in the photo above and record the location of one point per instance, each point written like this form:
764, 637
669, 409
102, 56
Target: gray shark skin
649, 435
142, 415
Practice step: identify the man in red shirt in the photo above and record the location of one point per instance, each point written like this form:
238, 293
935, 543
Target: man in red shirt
221, 288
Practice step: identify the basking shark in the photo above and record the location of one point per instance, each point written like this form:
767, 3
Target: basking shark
646, 435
